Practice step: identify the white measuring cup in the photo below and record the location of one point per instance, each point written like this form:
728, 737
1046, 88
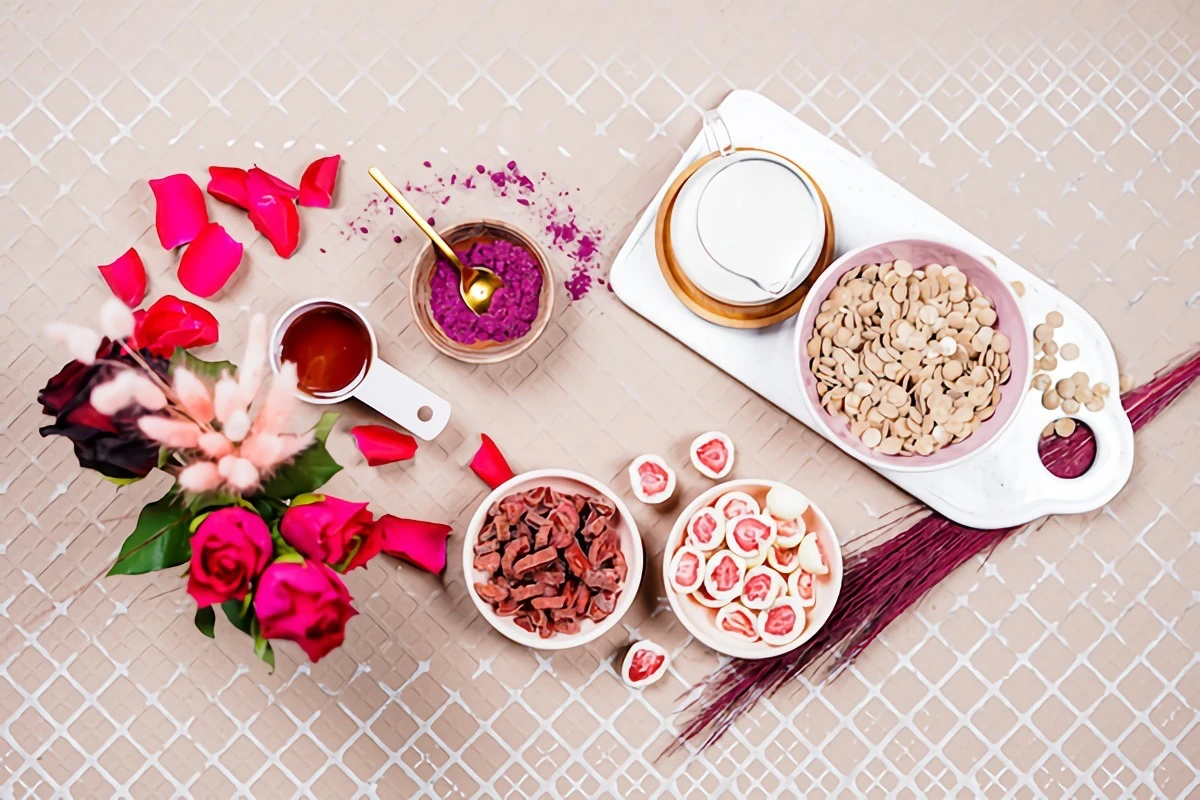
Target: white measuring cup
380, 385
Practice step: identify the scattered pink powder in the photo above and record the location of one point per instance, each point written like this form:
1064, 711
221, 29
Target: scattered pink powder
540, 207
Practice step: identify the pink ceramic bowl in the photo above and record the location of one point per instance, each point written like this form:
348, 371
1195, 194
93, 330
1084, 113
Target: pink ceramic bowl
919, 253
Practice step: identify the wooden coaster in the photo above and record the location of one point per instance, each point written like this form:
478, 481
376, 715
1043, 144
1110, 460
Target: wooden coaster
707, 307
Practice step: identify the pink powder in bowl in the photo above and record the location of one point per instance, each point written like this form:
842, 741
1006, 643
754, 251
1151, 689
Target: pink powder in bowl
514, 306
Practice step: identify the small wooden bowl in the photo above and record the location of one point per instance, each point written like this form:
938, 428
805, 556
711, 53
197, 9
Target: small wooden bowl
420, 278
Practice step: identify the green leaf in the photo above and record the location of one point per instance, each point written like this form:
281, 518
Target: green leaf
291, 557
121, 481
164, 456
310, 470
200, 367
262, 647
238, 613
325, 425
196, 521
214, 500
306, 499
159, 540
206, 619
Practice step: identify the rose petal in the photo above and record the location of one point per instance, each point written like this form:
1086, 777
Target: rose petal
279, 185
171, 323
318, 181
416, 541
382, 445
272, 213
209, 261
179, 213
489, 463
126, 277
228, 184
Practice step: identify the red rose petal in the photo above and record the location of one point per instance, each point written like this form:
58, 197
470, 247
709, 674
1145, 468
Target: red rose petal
228, 184
171, 323
383, 445
279, 185
272, 213
318, 181
179, 212
126, 277
209, 261
417, 542
489, 463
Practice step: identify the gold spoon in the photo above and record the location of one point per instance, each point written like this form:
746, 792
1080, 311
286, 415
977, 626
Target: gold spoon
476, 284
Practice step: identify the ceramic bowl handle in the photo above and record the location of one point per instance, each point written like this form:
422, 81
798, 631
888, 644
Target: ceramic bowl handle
404, 401
716, 134
1107, 475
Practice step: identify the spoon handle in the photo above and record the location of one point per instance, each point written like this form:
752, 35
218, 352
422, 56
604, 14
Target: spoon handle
407, 208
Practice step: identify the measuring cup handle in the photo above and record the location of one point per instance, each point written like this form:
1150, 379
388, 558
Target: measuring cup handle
401, 399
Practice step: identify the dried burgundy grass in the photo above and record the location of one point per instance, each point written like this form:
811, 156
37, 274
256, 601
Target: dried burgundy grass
887, 572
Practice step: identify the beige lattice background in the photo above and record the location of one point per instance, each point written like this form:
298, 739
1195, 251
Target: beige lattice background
1065, 133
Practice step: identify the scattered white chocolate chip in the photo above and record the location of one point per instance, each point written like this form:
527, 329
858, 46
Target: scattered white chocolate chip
1055, 319
1070, 351
1064, 426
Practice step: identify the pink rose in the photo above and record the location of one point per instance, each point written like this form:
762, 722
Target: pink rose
332, 531
304, 603
229, 549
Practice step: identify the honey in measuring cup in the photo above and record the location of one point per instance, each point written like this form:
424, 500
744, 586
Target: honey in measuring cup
331, 348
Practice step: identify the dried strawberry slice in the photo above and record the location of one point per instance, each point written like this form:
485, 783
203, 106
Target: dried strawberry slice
737, 620
724, 574
644, 664
804, 587
759, 588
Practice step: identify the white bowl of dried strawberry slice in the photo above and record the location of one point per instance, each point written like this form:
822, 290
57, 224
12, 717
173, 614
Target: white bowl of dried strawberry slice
553, 559
754, 601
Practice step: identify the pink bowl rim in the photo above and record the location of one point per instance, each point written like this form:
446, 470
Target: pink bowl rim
821, 419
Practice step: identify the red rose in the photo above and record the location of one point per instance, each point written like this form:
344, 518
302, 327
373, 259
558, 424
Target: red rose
304, 603
113, 445
230, 548
332, 531
171, 323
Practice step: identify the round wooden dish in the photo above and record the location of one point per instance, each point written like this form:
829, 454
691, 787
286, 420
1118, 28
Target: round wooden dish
709, 308
421, 275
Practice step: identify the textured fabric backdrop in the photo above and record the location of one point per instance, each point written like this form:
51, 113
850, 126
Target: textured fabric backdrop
1063, 133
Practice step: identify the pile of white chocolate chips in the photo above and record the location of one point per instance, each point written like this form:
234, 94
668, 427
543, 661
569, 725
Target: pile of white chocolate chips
1069, 394
909, 358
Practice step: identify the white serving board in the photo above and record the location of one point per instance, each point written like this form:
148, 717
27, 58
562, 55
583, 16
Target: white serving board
1003, 484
